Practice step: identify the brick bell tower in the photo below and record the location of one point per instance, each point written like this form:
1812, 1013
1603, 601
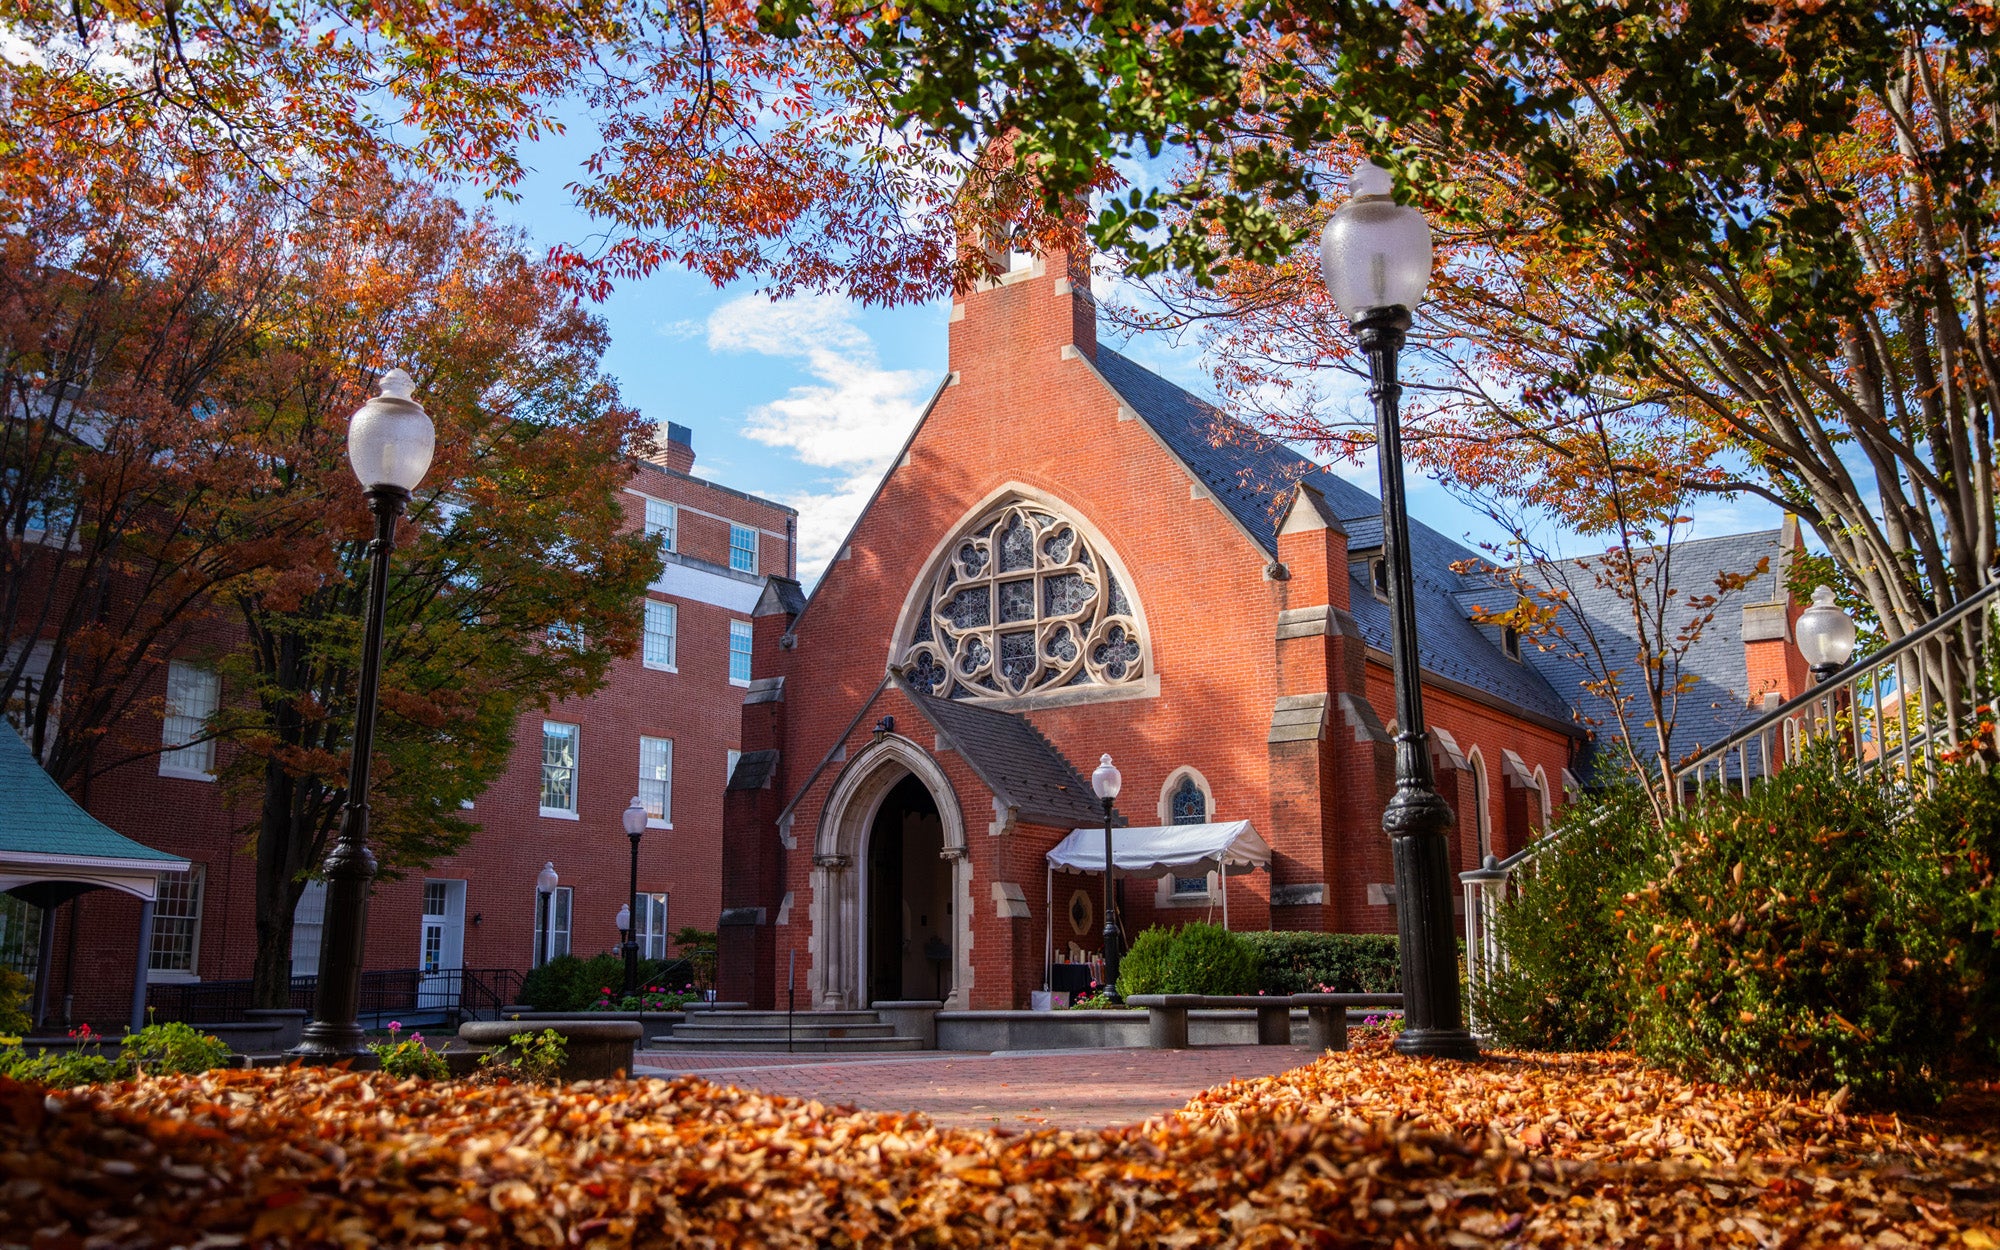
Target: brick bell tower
1038, 308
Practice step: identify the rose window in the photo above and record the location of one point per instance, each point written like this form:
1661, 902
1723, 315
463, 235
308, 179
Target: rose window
1022, 604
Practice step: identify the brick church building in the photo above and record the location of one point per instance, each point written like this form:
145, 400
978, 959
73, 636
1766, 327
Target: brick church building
1073, 557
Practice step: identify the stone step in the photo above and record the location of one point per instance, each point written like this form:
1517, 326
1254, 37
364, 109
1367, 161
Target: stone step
662, 1049
767, 1018
766, 1032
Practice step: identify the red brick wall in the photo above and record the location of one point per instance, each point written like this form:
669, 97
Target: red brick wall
697, 706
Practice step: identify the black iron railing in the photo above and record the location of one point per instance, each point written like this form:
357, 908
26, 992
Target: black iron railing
386, 993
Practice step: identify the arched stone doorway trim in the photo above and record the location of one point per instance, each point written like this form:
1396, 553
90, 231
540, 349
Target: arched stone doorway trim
839, 880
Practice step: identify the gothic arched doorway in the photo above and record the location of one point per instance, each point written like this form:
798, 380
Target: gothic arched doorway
909, 898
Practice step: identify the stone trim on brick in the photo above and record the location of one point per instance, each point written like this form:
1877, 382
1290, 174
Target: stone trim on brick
1010, 901
1302, 894
1298, 718
1360, 717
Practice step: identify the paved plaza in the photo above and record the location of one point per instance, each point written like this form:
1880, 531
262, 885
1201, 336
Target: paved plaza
1020, 1089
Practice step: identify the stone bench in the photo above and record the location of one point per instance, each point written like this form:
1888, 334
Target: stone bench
1167, 1016
1326, 1015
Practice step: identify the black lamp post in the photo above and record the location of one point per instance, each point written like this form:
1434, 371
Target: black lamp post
635, 828
545, 894
1376, 256
1106, 781
389, 444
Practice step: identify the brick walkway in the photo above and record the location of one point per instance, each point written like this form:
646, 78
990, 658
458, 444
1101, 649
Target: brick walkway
1030, 1089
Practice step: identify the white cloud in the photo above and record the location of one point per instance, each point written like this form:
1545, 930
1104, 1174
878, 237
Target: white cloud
681, 330
852, 421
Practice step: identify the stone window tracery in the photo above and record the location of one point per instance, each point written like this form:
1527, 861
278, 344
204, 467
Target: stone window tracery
1023, 604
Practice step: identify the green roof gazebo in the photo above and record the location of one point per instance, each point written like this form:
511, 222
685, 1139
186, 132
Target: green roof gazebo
51, 850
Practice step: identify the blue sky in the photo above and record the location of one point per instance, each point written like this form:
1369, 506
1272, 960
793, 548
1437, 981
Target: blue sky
806, 401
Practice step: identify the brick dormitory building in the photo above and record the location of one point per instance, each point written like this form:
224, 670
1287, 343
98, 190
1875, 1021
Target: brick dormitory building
1071, 557
664, 728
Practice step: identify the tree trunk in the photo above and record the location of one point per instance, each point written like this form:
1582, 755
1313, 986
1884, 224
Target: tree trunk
278, 887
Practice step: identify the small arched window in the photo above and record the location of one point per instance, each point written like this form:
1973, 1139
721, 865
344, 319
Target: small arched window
1548, 801
1188, 804
1481, 820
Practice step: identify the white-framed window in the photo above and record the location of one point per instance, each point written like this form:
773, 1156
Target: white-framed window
730, 774
308, 923
662, 519
566, 634
551, 925
559, 761
662, 628
176, 926
651, 926
656, 780
1547, 800
740, 635
193, 694
742, 548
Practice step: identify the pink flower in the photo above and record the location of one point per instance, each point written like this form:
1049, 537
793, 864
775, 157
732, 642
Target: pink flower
395, 1027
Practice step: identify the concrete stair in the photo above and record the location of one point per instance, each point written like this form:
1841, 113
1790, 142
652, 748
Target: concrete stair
765, 1032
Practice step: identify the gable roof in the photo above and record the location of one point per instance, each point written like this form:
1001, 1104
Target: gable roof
38, 818
1021, 767
1718, 704
1253, 476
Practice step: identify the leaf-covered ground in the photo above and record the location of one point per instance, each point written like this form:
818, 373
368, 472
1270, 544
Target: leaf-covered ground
1360, 1149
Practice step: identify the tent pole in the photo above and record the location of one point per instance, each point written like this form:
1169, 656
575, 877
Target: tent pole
1222, 864
1049, 946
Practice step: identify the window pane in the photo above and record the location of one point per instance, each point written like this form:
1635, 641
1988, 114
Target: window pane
731, 774
739, 651
176, 921
307, 919
660, 520
192, 695
656, 773
662, 620
559, 766
652, 927
559, 942
743, 549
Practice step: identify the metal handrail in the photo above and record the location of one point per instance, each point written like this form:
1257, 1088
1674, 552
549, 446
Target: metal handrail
1856, 671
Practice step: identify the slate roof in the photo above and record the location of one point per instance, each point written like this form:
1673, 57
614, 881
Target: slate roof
1253, 476
1012, 757
1717, 706
37, 817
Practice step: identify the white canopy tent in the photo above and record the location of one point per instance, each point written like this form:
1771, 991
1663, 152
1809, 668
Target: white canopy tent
1157, 851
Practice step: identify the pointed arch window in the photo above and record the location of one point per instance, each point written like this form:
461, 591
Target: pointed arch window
1023, 604
1190, 805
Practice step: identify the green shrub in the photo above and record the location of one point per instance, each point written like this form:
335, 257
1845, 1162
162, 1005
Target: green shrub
1796, 937
60, 1069
1959, 824
1325, 963
1565, 985
1143, 969
173, 1048
406, 1057
14, 989
1209, 959
573, 983
537, 1057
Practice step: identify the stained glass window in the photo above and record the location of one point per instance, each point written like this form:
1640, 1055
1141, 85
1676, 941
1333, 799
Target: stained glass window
1190, 805
1023, 605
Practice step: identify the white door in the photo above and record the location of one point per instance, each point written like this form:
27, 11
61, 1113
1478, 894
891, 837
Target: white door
441, 955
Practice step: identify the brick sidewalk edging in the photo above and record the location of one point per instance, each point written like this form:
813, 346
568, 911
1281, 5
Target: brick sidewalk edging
1095, 1088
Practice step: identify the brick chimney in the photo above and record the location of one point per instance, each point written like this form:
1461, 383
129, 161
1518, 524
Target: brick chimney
676, 452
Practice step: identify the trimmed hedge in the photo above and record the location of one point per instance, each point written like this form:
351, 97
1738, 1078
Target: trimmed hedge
1191, 959
1325, 963
573, 983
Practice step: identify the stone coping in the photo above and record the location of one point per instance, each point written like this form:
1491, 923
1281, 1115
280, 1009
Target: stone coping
487, 1032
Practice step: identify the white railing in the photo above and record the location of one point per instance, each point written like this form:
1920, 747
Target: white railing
1894, 713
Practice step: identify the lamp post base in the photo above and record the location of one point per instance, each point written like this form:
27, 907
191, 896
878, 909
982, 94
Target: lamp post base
1437, 1044
330, 1044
